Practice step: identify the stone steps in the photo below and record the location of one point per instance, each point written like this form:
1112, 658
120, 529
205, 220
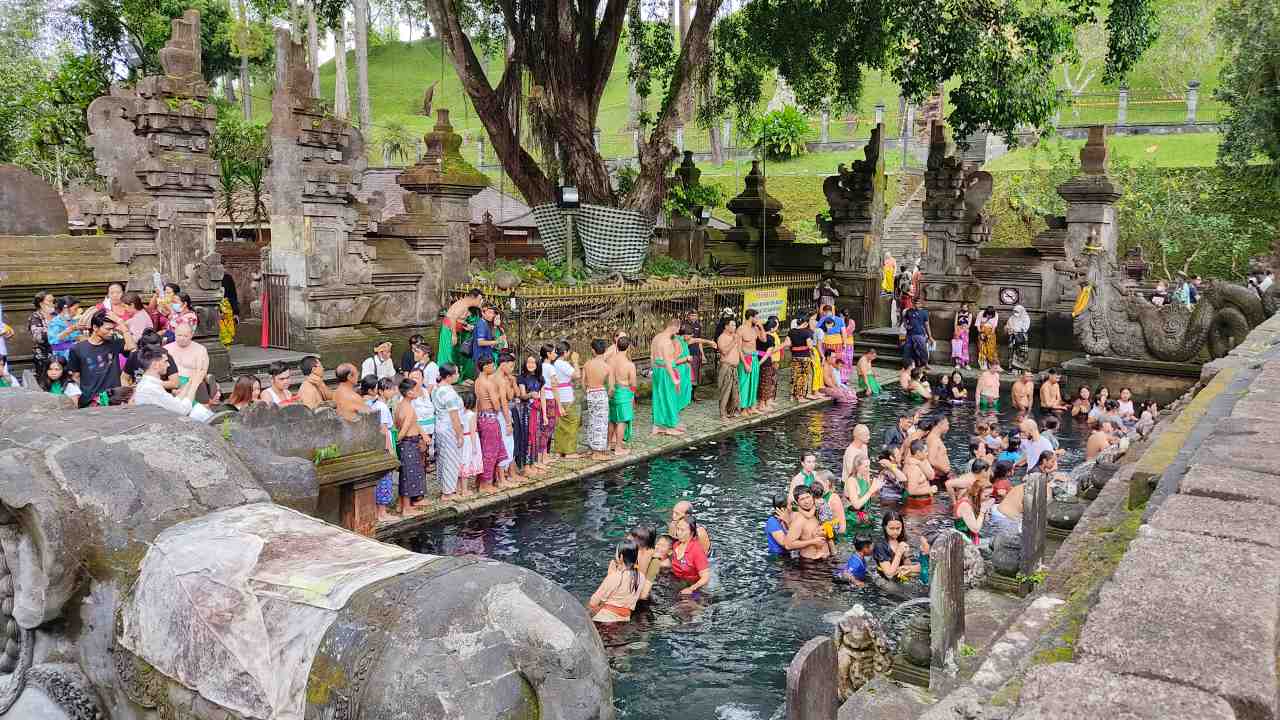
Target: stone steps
904, 226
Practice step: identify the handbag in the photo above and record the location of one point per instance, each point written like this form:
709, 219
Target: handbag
467, 347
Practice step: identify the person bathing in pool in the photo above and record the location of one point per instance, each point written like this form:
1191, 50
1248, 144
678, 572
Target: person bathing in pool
623, 587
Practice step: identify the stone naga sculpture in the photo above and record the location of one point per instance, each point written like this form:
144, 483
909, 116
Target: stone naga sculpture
147, 573
862, 650
1118, 323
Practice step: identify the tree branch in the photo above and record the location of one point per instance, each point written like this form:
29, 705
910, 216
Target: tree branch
605, 46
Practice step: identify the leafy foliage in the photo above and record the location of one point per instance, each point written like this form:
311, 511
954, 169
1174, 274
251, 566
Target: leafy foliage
688, 199
665, 266
653, 57
130, 33
1205, 221
780, 134
996, 57
1250, 82
396, 141
241, 150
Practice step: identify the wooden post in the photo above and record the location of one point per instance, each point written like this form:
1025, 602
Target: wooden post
811, 682
946, 605
1035, 518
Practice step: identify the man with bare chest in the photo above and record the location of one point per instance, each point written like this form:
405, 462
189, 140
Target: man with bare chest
666, 381
1051, 393
346, 398
805, 526
623, 398
412, 446
987, 394
729, 344
938, 460
1023, 391
598, 381
489, 406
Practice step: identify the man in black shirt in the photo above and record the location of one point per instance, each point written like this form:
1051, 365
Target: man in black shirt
897, 435
96, 360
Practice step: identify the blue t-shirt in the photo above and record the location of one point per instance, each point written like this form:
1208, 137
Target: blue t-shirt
832, 324
771, 526
857, 567
483, 331
917, 320
1010, 456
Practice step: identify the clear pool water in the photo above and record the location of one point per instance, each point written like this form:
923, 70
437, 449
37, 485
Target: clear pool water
722, 655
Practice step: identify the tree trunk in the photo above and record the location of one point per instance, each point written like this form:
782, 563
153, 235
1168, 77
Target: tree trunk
313, 48
361, 8
229, 88
341, 107
246, 95
717, 146
686, 16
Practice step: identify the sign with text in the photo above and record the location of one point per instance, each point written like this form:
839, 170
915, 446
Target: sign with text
766, 302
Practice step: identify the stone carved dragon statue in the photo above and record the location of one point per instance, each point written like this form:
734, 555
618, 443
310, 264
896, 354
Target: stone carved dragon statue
1111, 320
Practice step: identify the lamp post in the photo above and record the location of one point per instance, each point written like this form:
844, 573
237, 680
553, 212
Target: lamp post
567, 199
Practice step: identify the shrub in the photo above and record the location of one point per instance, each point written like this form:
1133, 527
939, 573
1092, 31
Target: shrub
781, 134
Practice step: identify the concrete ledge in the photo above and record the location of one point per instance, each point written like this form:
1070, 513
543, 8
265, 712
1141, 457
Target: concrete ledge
1226, 482
1196, 611
1086, 691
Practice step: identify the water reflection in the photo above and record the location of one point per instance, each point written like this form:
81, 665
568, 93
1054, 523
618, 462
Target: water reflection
721, 655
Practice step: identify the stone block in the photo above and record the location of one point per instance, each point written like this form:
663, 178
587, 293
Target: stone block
1067, 691
1231, 483
811, 682
1192, 610
1245, 522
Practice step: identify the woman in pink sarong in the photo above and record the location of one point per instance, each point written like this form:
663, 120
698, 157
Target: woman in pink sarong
832, 385
848, 361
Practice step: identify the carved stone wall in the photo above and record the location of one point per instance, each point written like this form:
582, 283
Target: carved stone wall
954, 224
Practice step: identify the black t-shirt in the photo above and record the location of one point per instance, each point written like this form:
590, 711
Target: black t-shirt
764, 346
98, 365
881, 553
133, 366
800, 338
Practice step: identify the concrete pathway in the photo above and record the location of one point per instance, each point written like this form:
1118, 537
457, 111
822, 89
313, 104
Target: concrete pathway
703, 423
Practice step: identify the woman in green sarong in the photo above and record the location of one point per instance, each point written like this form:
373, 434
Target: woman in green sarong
686, 372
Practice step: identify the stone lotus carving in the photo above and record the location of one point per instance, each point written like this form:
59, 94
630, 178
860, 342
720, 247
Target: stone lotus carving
862, 650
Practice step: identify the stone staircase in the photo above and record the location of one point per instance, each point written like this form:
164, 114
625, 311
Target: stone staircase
904, 226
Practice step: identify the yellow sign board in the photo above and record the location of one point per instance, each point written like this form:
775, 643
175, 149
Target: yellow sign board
766, 302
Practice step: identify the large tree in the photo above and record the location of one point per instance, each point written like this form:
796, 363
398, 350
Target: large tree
1249, 83
540, 111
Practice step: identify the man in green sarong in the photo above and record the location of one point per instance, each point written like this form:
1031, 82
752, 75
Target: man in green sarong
749, 363
623, 401
866, 376
666, 381
451, 326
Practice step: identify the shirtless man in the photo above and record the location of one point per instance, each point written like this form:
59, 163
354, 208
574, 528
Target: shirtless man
937, 451
346, 397
904, 375
729, 344
624, 379
1051, 394
1100, 439
1023, 391
489, 406
805, 526
313, 390
666, 381
680, 511
857, 446
866, 376
507, 382
918, 471
748, 334
986, 396
410, 432
598, 380
451, 325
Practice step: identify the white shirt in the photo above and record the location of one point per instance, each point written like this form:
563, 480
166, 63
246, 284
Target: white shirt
269, 394
384, 412
430, 375
1031, 451
426, 412
563, 380
378, 367
150, 391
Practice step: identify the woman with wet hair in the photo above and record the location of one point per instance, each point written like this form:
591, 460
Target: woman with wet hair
623, 586
894, 557
688, 561
647, 538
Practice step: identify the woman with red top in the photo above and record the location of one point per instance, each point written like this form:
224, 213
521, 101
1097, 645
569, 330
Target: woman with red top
688, 560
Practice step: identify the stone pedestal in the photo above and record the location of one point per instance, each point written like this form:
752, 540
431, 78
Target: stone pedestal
811, 682
757, 215
1035, 518
946, 605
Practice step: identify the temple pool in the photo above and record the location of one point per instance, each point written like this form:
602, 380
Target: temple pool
723, 655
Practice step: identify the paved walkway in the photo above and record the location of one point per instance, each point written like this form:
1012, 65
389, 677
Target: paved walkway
703, 423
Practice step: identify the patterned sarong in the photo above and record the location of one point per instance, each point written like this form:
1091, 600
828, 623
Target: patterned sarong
598, 419
520, 415
412, 469
768, 381
492, 449
801, 376
622, 408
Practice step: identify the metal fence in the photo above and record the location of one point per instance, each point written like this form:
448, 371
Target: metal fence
276, 320
535, 315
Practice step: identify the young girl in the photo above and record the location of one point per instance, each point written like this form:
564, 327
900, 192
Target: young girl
57, 384
959, 395
623, 586
1126, 405
847, 356
944, 389
988, 322
960, 337
472, 461
384, 493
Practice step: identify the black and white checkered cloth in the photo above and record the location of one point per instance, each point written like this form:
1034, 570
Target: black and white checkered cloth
612, 238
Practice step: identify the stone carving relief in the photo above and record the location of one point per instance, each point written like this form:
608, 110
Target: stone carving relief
862, 651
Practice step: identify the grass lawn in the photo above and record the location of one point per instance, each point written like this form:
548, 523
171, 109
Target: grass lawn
1191, 150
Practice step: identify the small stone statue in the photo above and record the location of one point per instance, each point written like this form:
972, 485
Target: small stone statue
862, 650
